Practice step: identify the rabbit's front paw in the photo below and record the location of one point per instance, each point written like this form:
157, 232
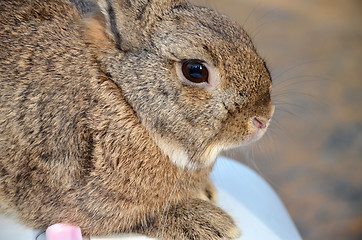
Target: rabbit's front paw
197, 219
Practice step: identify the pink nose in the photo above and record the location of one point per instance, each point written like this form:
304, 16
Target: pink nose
259, 123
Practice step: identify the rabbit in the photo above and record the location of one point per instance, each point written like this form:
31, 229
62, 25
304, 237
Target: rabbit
85, 6
112, 120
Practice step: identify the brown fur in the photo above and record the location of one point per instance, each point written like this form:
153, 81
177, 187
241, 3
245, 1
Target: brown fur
89, 108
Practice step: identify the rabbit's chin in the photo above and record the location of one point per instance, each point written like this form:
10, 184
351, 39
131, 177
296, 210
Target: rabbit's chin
254, 136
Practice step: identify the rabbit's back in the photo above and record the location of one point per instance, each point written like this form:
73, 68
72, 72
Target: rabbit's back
45, 75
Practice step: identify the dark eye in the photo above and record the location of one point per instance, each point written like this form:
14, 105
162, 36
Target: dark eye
195, 71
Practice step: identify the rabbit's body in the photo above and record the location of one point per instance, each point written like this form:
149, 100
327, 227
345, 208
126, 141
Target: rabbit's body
92, 134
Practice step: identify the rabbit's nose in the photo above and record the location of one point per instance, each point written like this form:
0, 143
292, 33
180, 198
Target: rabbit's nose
258, 123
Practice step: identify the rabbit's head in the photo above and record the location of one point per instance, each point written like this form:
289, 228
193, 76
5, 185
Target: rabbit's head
192, 76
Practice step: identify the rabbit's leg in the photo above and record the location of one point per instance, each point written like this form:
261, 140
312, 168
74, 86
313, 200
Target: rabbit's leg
195, 219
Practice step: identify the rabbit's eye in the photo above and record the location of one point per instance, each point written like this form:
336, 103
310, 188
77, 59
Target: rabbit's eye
195, 71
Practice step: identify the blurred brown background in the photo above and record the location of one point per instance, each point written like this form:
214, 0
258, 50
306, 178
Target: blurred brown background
312, 154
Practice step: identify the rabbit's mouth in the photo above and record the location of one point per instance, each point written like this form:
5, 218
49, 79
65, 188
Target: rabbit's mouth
259, 125
259, 128
245, 130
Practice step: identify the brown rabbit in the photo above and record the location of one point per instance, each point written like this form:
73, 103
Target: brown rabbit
113, 122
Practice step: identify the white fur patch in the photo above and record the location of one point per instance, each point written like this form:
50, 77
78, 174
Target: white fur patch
180, 158
176, 153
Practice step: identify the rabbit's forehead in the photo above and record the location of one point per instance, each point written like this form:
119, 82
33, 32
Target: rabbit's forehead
206, 23
202, 33
194, 41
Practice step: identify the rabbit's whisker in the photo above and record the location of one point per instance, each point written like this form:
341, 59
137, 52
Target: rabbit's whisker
250, 14
298, 79
298, 65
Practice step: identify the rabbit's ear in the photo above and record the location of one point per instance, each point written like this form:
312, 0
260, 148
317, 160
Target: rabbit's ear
128, 21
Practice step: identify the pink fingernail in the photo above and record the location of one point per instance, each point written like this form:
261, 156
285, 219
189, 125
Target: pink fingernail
63, 231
